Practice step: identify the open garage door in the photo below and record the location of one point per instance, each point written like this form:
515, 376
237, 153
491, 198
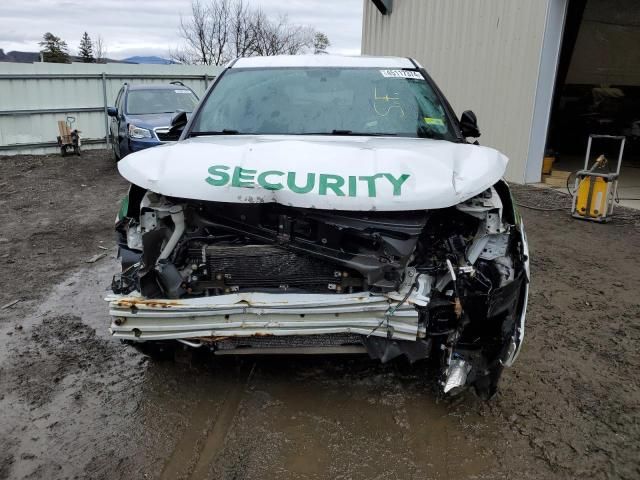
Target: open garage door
597, 90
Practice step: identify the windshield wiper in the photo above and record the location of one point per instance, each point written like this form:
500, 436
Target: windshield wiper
351, 133
332, 132
225, 131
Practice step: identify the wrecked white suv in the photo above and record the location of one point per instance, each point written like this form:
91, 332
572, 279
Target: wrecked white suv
325, 204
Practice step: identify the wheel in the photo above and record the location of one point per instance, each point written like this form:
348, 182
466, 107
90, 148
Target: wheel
76, 150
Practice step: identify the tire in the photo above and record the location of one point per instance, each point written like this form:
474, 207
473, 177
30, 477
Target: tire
486, 386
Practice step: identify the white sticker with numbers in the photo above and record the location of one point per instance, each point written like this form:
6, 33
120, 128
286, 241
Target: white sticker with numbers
401, 74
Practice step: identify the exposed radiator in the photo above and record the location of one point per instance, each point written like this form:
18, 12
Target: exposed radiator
267, 266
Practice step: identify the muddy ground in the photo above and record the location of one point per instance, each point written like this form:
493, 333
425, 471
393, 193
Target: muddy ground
75, 404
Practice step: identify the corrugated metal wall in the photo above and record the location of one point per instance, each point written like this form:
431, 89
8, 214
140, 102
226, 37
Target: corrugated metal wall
484, 55
27, 88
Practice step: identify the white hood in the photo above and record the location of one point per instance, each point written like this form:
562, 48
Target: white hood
342, 173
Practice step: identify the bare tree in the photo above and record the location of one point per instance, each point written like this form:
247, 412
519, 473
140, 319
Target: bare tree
220, 30
99, 50
205, 34
279, 37
243, 34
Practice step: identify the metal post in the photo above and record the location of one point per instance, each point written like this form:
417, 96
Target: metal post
106, 116
586, 156
624, 140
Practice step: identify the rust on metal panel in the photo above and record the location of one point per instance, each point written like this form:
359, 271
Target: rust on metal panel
151, 303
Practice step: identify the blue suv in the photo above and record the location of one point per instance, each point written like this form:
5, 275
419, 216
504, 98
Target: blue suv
142, 114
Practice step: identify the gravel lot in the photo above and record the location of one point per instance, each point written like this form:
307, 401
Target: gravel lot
75, 404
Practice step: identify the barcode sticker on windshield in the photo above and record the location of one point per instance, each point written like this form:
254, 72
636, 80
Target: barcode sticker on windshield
401, 74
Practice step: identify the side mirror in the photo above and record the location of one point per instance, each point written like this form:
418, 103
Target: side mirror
112, 111
178, 122
469, 124
179, 119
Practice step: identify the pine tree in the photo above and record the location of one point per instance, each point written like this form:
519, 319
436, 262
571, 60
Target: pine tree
320, 43
86, 49
54, 49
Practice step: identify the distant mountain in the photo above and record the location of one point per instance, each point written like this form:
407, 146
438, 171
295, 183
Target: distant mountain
34, 57
19, 57
154, 60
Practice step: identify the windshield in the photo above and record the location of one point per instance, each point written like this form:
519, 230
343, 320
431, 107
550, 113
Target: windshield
324, 101
142, 102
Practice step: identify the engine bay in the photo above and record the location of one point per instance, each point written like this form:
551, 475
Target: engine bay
462, 270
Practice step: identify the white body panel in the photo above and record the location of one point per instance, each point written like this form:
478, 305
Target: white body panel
439, 173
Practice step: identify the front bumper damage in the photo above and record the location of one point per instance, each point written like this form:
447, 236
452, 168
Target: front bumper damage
384, 326
447, 284
263, 314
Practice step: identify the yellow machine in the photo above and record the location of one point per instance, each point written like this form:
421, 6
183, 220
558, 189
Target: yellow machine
595, 190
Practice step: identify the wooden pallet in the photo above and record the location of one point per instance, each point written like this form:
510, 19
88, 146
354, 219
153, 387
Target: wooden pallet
65, 132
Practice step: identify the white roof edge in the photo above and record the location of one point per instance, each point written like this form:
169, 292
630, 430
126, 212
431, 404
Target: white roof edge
323, 60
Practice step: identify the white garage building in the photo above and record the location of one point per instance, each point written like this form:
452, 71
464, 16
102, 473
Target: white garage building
521, 66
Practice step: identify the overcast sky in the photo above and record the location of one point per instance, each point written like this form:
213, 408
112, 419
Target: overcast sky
149, 27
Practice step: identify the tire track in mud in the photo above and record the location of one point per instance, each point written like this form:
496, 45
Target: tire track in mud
197, 449
215, 439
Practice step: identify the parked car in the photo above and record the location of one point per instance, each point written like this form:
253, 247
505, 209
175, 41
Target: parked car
325, 204
142, 115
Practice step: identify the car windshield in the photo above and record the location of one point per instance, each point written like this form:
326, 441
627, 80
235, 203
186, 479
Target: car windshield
324, 101
141, 102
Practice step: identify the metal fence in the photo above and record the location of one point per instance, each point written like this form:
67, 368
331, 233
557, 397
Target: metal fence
33, 97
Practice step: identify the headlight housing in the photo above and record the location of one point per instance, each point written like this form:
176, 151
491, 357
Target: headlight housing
138, 132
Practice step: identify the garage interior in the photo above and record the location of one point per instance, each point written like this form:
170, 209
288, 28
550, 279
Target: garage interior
597, 91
